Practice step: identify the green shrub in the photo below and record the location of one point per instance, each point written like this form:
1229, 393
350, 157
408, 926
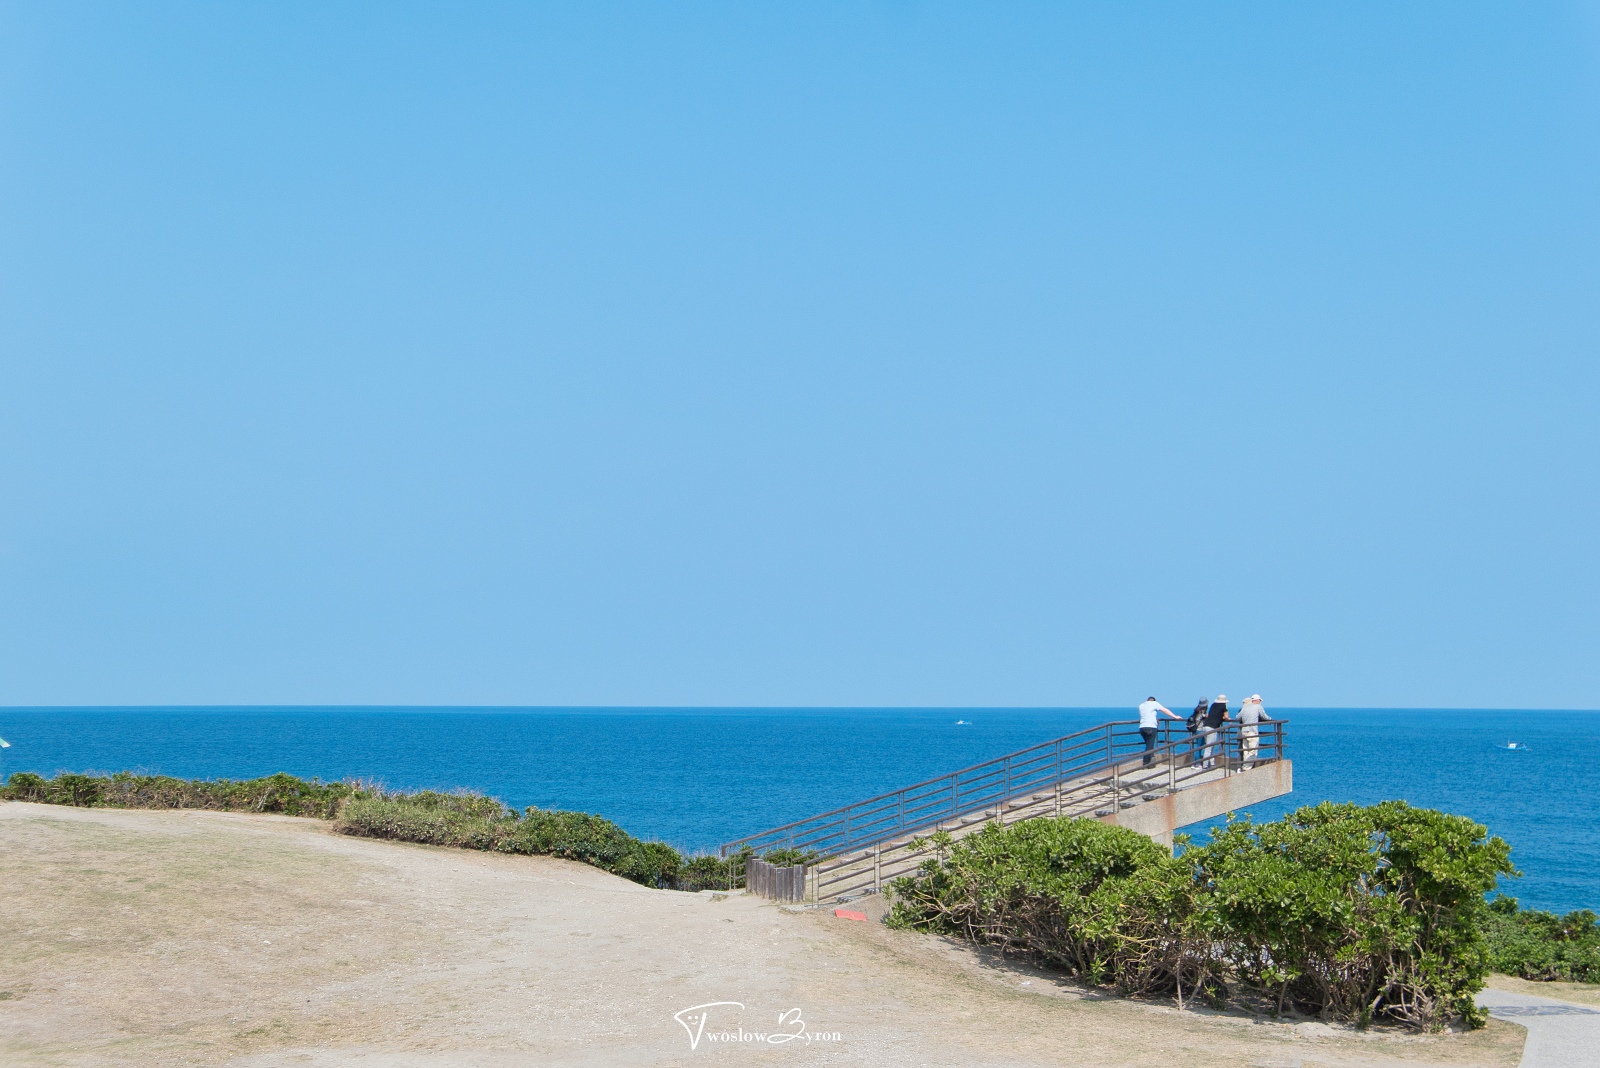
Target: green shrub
1347, 912
710, 872
24, 786
597, 841
470, 821
1102, 903
278, 793
788, 856
1356, 913
1541, 945
427, 818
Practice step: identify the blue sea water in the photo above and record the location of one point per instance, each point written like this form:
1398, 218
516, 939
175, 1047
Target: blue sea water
698, 777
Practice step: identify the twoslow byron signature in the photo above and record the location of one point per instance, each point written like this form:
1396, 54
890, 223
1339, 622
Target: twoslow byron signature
698, 1024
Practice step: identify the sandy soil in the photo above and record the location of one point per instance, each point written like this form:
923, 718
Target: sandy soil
186, 938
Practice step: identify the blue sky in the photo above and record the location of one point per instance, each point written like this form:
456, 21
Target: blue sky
816, 354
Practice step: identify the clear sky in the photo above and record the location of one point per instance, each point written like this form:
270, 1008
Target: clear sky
872, 353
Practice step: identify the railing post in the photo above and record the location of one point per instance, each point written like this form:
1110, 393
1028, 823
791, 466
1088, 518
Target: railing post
1058, 776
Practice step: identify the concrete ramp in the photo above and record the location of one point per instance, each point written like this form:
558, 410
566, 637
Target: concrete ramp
1206, 801
1109, 772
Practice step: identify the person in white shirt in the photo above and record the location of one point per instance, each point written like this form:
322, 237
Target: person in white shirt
1251, 713
1148, 711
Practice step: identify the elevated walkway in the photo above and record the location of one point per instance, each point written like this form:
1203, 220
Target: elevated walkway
1104, 772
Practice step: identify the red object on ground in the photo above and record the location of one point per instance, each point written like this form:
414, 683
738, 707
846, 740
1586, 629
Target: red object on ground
846, 914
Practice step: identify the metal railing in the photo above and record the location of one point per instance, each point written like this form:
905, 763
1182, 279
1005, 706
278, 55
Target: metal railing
1095, 771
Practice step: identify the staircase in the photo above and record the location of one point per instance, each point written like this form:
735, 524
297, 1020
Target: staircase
1103, 772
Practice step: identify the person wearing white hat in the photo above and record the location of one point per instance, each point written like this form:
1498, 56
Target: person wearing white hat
1216, 716
1251, 713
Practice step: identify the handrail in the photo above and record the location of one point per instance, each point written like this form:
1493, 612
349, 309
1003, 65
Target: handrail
993, 784
950, 779
929, 782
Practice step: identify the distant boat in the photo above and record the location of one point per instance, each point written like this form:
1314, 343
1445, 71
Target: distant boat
1511, 745
963, 723
4, 744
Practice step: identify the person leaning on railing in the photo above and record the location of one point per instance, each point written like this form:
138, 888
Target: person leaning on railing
1192, 725
1216, 716
1251, 713
1148, 711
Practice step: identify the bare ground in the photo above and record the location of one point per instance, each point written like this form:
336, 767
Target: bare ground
197, 938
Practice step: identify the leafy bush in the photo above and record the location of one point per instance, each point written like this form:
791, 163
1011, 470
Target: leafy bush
597, 841
1351, 913
1356, 913
1102, 903
710, 872
1541, 945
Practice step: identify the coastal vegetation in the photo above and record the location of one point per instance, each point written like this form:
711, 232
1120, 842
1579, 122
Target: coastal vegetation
1350, 913
472, 821
1344, 912
281, 793
1543, 946
463, 820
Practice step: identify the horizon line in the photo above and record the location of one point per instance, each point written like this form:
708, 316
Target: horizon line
737, 708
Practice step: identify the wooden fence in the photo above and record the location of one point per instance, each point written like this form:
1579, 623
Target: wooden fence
775, 882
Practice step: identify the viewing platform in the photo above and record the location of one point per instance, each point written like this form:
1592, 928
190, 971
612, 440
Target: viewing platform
1104, 772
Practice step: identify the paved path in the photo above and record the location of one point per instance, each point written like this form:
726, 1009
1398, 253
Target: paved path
1560, 1033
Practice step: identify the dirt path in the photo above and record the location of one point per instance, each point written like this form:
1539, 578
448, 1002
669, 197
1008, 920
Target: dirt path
188, 938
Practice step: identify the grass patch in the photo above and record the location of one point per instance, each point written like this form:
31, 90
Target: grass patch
281, 793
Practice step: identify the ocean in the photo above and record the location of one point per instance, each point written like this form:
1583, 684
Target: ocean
698, 777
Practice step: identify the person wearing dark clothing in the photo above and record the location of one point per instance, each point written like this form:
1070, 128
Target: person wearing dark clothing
1216, 716
1192, 725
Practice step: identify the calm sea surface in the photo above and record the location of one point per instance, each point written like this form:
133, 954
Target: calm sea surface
696, 778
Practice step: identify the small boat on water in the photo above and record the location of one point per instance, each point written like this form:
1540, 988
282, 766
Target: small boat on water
1511, 745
